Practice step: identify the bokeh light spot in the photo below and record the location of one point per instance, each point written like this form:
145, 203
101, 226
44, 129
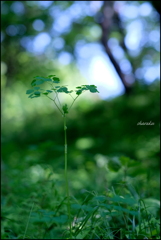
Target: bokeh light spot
18, 8
12, 30
38, 25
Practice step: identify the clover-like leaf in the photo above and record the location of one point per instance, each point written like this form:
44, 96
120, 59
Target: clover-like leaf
91, 88
63, 89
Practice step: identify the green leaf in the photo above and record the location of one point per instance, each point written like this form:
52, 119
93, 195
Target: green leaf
107, 206
37, 82
78, 92
87, 208
114, 164
36, 88
40, 220
100, 198
124, 160
65, 109
56, 80
84, 87
33, 96
76, 206
36, 96
29, 91
30, 96
51, 76
37, 93
126, 200
33, 83
43, 78
61, 219
49, 91
92, 88
84, 207
63, 89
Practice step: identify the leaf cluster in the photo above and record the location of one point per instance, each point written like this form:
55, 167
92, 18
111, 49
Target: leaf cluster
36, 91
51, 79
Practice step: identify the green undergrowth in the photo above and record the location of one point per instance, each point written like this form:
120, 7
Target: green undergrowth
35, 207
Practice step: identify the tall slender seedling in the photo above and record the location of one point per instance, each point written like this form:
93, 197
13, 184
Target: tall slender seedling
36, 92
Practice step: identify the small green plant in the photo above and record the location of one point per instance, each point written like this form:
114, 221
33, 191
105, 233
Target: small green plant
37, 91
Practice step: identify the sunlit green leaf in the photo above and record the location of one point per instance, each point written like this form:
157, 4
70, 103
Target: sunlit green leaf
63, 89
92, 88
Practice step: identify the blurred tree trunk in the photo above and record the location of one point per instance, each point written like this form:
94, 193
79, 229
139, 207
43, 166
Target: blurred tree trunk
108, 21
156, 5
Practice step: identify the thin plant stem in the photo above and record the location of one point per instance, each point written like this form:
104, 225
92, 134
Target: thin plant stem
28, 221
57, 97
71, 96
73, 102
55, 104
66, 175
